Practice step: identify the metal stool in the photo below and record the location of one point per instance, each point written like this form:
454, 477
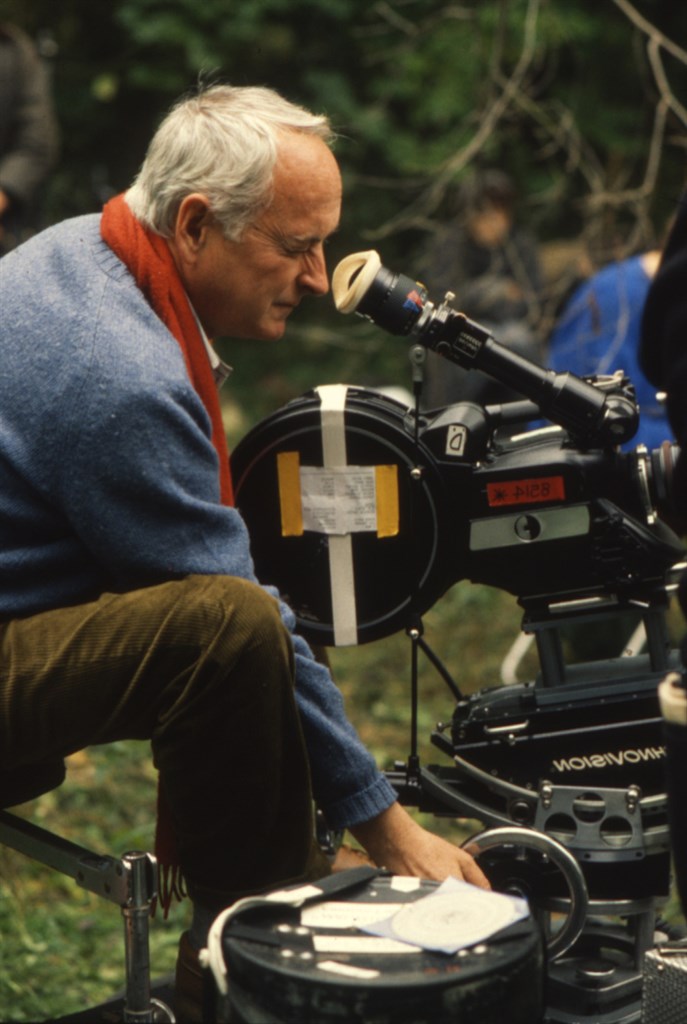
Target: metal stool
129, 882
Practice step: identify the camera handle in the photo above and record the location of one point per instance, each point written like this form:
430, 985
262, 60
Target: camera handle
592, 414
528, 839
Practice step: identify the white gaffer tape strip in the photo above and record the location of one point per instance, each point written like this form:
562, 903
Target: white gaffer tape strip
341, 575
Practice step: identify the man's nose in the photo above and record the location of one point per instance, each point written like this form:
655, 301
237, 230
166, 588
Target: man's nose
314, 277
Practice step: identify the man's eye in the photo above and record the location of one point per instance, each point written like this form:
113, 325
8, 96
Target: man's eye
300, 250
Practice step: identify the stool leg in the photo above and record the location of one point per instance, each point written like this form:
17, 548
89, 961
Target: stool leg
138, 1005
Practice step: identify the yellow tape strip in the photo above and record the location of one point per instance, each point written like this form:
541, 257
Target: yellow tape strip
386, 478
288, 472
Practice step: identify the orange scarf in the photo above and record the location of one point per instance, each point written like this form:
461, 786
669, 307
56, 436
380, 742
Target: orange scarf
152, 266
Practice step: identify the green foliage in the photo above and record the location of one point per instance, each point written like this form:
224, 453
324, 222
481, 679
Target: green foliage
409, 81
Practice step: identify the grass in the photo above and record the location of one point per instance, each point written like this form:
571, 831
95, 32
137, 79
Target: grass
62, 948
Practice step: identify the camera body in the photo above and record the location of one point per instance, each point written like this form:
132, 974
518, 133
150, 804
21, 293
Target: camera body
535, 514
474, 495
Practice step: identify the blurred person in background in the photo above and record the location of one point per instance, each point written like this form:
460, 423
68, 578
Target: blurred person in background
28, 134
492, 266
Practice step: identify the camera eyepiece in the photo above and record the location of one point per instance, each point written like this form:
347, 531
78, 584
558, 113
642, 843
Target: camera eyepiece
393, 301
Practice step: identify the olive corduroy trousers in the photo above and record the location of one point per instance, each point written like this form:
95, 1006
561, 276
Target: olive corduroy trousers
201, 667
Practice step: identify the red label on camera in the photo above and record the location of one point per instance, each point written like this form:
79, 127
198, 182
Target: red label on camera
527, 491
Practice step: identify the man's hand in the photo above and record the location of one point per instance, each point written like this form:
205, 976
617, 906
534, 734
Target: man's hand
395, 841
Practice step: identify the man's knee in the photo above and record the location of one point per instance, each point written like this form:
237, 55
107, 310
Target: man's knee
221, 629
241, 609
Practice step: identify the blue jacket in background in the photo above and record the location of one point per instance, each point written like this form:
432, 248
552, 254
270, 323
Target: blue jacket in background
598, 332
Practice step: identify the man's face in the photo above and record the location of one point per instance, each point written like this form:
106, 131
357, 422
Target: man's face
247, 289
490, 226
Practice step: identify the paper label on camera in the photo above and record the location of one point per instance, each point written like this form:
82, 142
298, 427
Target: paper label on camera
339, 501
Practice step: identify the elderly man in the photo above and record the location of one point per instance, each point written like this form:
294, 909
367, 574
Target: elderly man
128, 603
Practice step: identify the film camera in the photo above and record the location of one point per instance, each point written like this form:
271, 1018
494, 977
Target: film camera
364, 511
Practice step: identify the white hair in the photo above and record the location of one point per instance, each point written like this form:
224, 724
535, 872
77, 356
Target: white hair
222, 143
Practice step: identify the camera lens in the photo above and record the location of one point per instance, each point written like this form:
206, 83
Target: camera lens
393, 301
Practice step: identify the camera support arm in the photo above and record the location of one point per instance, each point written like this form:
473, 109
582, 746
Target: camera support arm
592, 415
588, 414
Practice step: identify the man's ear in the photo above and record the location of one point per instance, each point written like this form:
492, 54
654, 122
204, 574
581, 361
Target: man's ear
193, 221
